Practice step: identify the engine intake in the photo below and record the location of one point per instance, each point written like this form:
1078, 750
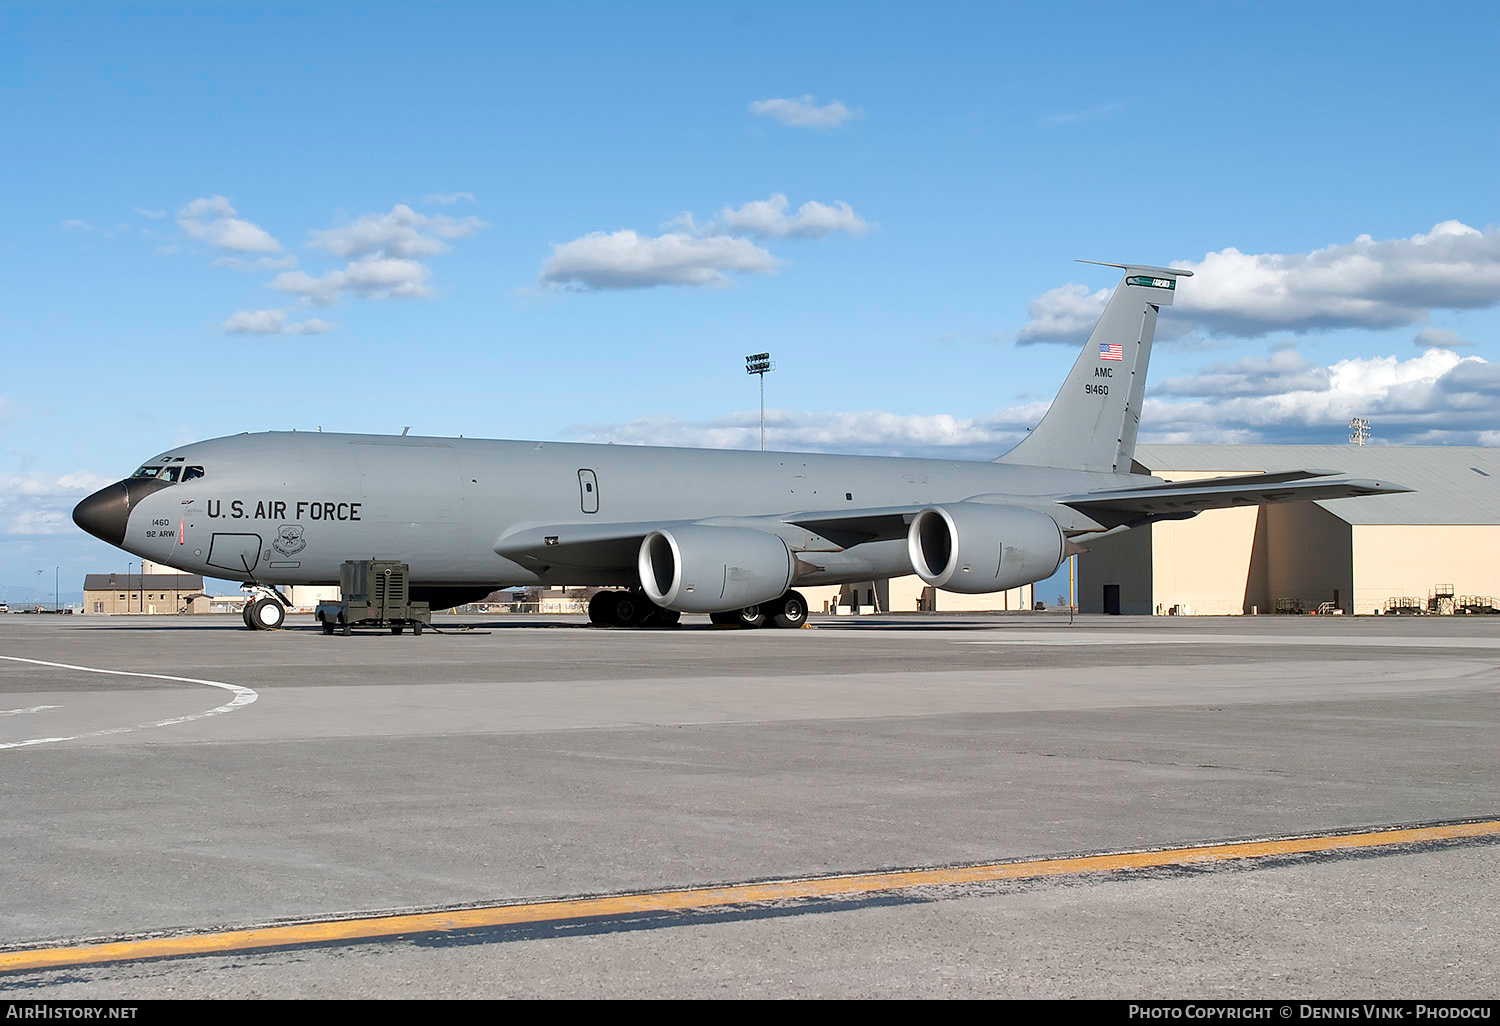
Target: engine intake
700, 569
974, 547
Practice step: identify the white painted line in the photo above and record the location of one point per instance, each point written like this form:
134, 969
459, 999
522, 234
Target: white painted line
243, 696
22, 712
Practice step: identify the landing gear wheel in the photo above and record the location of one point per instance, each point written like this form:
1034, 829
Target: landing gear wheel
728, 619
245, 615
599, 608
266, 614
666, 617
750, 617
789, 612
624, 609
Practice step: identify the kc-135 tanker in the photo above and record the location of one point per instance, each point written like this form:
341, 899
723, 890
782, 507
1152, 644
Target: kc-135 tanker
672, 531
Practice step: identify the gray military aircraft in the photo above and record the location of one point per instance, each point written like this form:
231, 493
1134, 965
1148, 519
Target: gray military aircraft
673, 531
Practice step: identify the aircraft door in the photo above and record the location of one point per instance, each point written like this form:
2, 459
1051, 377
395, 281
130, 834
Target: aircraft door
235, 552
588, 491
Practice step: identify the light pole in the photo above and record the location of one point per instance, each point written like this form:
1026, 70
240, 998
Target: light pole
39, 574
760, 363
57, 589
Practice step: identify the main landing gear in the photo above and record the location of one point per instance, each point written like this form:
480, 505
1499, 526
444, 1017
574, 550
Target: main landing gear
788, 613
633, 609
629, 609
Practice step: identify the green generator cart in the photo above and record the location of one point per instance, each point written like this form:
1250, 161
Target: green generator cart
375, 594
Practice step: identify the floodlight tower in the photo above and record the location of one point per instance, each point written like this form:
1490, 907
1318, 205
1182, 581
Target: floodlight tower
760, 363
1359, 430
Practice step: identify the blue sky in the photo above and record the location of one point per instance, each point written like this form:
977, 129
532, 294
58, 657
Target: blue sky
573, 222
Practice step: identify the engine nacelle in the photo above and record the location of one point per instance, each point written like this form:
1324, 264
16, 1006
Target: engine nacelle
700, 569
974, 547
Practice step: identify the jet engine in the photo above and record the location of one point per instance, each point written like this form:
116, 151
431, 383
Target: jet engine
974, 547
701, 569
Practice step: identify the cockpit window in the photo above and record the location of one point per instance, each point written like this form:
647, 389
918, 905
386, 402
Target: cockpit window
169, 474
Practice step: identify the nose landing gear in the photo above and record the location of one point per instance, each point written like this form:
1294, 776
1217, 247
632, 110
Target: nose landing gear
266, 610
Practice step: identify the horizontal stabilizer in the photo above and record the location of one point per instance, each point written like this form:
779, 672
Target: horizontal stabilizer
1120, 505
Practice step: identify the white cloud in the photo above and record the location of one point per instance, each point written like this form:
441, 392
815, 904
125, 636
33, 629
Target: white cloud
218, 206
1442, 338
1434, 398
384, 253
689, 253
1283, 371
33, 503
1361, 284
626, 260
371, 277
768, 218
401, 233
211, 219
272, 322
804, 112
1437, 397
865, 432
1064, 314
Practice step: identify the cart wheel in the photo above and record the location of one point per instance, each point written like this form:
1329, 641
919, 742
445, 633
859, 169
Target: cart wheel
397, 629
416, 629
327, 627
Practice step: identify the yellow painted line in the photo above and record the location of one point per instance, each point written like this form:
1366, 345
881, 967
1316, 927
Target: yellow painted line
709, 897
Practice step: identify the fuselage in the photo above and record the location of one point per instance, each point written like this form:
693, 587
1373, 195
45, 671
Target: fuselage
291, 507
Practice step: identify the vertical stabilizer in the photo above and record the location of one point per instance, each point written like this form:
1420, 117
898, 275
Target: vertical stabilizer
1092, 423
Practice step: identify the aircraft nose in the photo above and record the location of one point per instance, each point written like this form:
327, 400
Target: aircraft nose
105, 513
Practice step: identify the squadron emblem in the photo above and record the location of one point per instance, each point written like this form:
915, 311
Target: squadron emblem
289, 540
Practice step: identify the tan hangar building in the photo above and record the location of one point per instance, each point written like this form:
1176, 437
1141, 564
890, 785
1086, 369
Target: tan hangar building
1348, 555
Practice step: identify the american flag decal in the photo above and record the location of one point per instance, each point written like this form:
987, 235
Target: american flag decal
1112, 351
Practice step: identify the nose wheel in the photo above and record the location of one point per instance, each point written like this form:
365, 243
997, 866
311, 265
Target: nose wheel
266, 610
264, 614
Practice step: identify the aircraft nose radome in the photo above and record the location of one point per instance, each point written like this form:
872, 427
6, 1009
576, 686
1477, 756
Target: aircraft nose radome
105, 513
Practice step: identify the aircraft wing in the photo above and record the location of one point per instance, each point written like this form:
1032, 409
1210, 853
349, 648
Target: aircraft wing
585, 546
596, 546
850, 527
1113, 506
